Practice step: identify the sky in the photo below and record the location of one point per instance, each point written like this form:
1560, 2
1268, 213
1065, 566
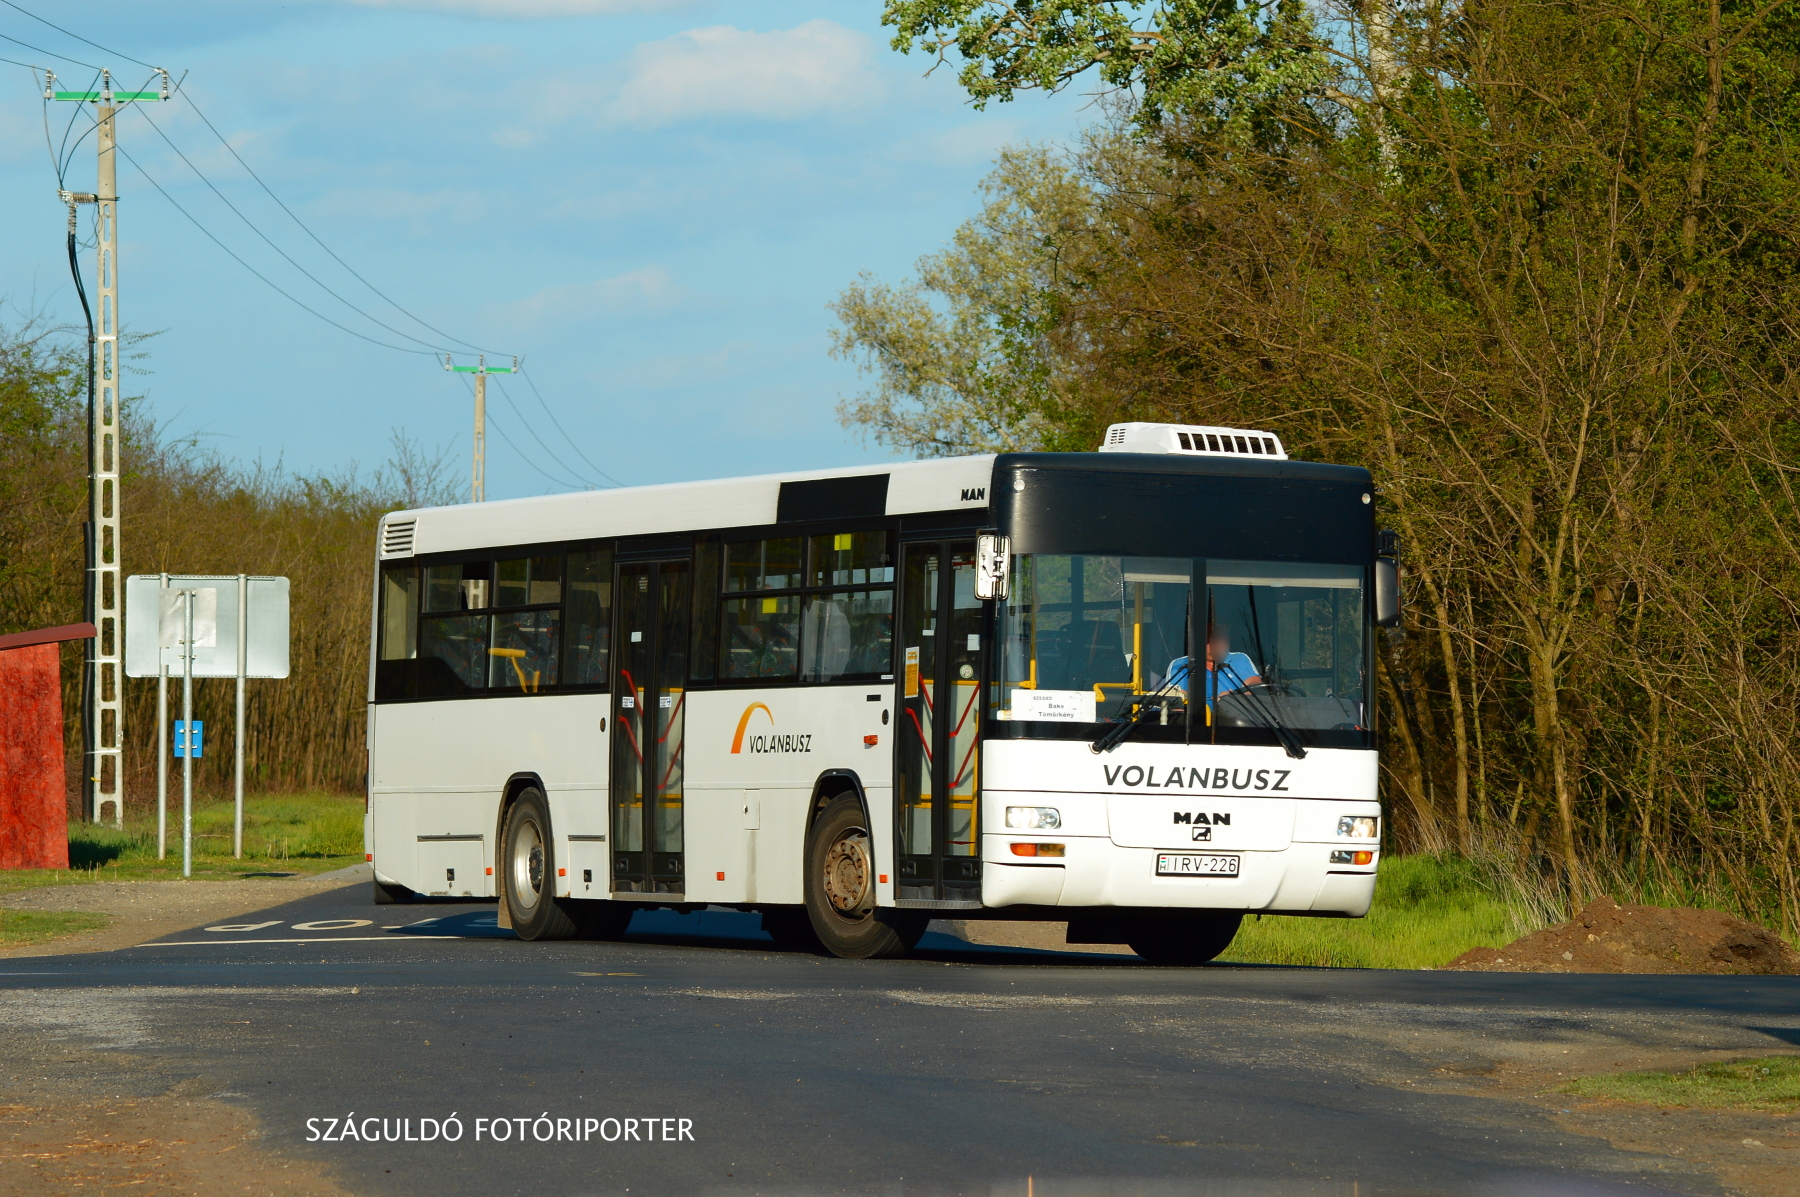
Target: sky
652, 202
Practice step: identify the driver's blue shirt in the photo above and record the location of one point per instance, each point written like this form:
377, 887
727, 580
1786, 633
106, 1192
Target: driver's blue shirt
1234, 674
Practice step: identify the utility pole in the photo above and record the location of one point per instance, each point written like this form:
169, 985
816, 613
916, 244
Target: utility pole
478, 461
103, 682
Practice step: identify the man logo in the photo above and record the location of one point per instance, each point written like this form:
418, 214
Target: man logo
1202, 834
974, 494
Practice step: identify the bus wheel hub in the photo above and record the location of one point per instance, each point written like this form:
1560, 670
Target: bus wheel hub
847, 873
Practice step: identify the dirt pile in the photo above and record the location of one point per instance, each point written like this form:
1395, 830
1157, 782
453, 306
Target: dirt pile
1610, 938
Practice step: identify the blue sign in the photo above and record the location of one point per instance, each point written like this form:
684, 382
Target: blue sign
181, 738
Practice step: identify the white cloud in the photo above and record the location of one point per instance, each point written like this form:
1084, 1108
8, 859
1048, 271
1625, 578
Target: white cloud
532, 8
637, 292
723, 71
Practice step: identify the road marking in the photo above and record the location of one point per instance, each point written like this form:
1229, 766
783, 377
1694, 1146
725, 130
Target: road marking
327, 925
246, 926
606, 974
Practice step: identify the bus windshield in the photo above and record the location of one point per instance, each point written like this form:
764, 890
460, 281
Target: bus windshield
1091, 639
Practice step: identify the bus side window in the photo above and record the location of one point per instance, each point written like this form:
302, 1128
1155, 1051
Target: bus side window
399, 614
587, 608
396, 656
703, 660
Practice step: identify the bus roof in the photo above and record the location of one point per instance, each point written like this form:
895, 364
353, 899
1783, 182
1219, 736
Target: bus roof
943, 484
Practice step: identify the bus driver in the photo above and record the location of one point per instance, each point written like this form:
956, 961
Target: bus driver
1225, 670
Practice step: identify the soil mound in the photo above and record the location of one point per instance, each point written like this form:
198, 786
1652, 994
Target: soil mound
1610, 938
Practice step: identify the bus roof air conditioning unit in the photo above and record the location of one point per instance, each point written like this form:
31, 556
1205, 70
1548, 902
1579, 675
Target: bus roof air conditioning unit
1193, 439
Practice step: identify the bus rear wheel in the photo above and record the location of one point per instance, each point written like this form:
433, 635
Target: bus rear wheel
1184, 938
529, 867
840, 889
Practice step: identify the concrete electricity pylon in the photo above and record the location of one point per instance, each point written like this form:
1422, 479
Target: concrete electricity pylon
103, 682
478, 460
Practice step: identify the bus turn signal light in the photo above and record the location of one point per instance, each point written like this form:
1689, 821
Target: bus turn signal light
1361, 858
1037, 849
870, 741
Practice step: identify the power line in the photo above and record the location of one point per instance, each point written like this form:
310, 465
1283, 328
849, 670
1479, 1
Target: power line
316, 239
534, 436
252, 226
30, 66
528, 459
529, 381
60, 160
76, 36
259, 274
52, 53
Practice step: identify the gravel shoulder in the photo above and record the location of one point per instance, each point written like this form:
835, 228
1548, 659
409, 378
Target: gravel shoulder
144, 910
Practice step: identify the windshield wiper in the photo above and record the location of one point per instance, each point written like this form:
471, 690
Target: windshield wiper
1115, 735
1290, 740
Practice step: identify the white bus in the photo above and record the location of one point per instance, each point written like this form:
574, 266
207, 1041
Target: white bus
855, 700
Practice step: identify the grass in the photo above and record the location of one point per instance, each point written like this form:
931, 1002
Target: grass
22, 928
1428, 910
287, 833
1771, 1085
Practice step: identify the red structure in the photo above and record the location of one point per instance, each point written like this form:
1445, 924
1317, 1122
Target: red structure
34, 812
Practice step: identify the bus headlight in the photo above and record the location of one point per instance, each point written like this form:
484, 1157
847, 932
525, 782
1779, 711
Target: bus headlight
1033, 818
1358, 827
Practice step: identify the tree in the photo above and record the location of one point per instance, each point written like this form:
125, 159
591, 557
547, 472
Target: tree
1240, 61
965, 358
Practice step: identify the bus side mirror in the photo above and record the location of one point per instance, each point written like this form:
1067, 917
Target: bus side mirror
993, 553
1387, 592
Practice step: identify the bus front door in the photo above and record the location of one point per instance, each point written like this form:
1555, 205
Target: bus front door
651, 601
938, 766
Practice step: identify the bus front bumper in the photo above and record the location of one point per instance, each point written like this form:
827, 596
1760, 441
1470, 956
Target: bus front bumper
1298, 879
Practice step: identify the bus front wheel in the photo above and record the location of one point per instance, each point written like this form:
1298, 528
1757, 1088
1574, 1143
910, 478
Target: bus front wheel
530, 871
1184, 938
840, 889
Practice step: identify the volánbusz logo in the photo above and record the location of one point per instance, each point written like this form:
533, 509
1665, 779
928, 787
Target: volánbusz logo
766, 742
1177, 778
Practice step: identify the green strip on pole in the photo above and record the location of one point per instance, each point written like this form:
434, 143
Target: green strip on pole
78, 95
137, 95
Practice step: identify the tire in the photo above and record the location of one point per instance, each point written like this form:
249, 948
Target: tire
792, 930
392, 895
529, 863
840, 889
599, 918
1183, 938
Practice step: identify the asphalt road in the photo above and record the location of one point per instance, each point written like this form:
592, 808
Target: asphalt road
960, 1070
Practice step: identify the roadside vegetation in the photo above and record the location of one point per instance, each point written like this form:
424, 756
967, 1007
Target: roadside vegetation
303, 833
1428, 910
26, 928
1527, 263
1770, 1085
190, 510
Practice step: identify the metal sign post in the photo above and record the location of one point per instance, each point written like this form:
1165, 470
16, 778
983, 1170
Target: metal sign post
237, 737
162, 751
187, 734
241, 625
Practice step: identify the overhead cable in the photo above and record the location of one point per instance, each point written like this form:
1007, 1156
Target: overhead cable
528, 459
290, 261
565, 434
52, 53
76, 36
316, 239
507, 395
259, 274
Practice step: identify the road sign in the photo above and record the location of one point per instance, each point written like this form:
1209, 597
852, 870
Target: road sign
152, 613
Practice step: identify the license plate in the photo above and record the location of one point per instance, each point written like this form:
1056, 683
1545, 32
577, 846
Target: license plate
1194, 864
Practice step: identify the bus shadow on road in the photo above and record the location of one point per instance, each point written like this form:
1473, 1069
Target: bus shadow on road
737, 930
